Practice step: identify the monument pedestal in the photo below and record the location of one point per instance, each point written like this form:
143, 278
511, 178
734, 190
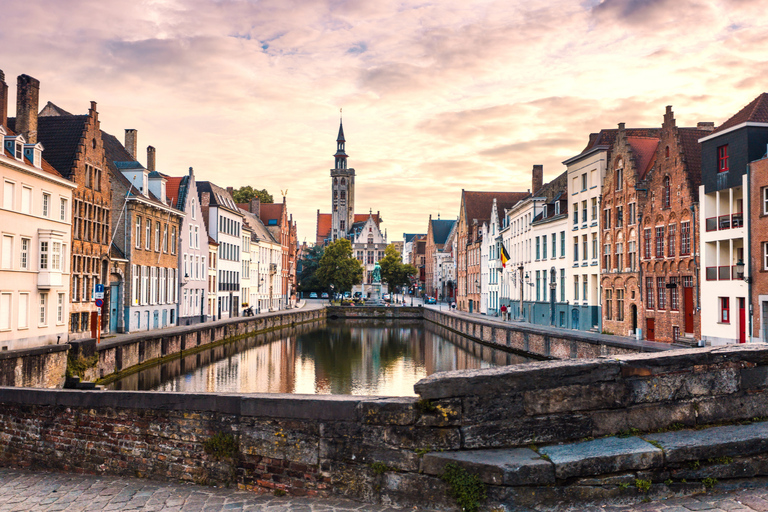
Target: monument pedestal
375, 298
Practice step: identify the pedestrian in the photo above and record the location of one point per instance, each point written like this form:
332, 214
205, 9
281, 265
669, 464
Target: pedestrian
504, 312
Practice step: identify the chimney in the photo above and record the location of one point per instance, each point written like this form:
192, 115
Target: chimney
191, 172
538, 178
255, 206
27, 98
707, 126
231, 191
3, 100
205, 199
131, 138
150, 158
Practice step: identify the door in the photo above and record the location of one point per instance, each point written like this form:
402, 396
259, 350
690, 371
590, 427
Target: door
650, 329
470, 305
114, 293
688, 305
633, 309
742, 320
574, 318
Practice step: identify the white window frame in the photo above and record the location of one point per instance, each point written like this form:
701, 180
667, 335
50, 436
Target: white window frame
63, 209
26, 193
23, 313
60, 309
138, 232
44, 259
43, 319
148, 234
9, 186
765, 200
46, 204
157, 236
6, 297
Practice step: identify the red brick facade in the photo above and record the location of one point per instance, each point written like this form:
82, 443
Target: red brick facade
758, 225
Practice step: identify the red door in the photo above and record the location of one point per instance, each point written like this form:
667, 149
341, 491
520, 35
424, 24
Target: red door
650, 329
688, 305
742, 321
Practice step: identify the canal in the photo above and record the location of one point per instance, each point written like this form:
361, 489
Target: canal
354, 357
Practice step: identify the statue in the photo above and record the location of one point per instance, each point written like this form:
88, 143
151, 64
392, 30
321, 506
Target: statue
377, 274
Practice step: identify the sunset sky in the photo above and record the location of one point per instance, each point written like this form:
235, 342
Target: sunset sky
437, 96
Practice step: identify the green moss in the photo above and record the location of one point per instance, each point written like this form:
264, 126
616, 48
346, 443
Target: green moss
709, 482
642, 485
694, 464
624, 485
221, 445
467, 489
720, 460
629, 432
656, 444
279, 492
77, 366
379, 468
668, 481
426, 406
422, 451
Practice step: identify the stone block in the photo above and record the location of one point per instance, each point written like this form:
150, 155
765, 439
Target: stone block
728, 408
682, 386
518, 466
600, 395
646, 417
729, 441
526, 430
316, 407
479, 409
756, 377
601, 456
388, 411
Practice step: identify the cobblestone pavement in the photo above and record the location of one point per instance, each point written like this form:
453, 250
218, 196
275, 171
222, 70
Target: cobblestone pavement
24, 491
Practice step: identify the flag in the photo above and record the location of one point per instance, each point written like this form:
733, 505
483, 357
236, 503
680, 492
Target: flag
504, 257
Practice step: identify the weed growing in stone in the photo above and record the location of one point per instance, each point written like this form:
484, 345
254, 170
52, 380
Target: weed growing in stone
379, 468
624, 485
642, 485
629, 432
467, 489
77, 366
656, 444
694, 464
426, 406
668, 481
709, 482
720, 460
279, 492
422, 451
221, 445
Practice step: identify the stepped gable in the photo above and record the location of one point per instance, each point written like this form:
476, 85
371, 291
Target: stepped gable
755, 112
689, 140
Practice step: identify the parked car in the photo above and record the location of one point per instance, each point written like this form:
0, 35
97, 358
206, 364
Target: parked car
358, 295
387, 297
430, 300
324, 295
347, 295
313, 295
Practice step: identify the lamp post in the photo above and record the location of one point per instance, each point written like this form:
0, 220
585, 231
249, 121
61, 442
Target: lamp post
552, 288
740, 272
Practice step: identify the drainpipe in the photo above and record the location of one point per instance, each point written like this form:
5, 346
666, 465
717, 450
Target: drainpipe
695, 249
749, 251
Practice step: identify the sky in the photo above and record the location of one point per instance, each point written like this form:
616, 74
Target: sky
437, 96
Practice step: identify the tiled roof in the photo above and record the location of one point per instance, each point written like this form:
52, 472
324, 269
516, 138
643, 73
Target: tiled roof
211, 241
440, 230
409, 236
60, 136
689, 140
644, 149
115, 152
51, 109
325, 221
44, 165
218, 196
478, 205
269, 211
607, 136
172, 190
257, 226
755, 112
554, 190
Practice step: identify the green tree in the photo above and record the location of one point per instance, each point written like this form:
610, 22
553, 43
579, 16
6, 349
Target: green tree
393, 271
338, 267
246, 193
310, 263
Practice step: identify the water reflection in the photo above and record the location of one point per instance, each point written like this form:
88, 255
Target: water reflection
334, 356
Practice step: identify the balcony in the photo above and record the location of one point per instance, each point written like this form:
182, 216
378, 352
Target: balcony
722, 273
47, 279
722, 222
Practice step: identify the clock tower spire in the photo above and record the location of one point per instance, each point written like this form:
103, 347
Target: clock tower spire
342, 189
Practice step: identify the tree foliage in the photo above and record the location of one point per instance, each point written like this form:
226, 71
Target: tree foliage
310, 263
246, 193
338, 267
393, 271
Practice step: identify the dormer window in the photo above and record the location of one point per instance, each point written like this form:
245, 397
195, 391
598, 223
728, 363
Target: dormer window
19, 152
544, 213
557, 208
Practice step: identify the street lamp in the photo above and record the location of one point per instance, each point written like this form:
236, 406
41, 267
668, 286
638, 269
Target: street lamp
330, 297
740, 272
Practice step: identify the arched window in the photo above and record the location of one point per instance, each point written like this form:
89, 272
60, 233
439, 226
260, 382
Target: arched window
619, 174
343, 194
666, 192
343, 181
666, 151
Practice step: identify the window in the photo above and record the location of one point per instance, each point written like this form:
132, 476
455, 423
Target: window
619, 174
23, 310
575, 213
144, 285
607, 218
649, 292
685, 238
60, 309
544, 247
562, 244
554, 243
63, 209
575, 287
26, 200
562, 285
197, 237
5, 311
56, 256
765, 255
620, 304
620, 257
584, 248
191, 242
647, 243
725, 310
7, 257
46, 205
173, 240
194, 212
594, 209
659, 241
43, 255
584, 182
674, 296
608, 301
607, 257
157, 237
594, 246
584, 283
765, 201
538, 256
632, 215
43, 311
671, 240
557, 207
148, 235
661, 289
584, 211
575, 248
9, 195
538, 284
138, 232
722, 158
632, 253
619, 216
666, 193
88, 176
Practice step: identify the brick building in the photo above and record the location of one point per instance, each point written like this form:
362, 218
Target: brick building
275, 217
670, 271
73, 146
758, 261
147, 236
437, 233
630, 159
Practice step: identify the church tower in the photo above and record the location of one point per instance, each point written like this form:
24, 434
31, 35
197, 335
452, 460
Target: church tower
342, 190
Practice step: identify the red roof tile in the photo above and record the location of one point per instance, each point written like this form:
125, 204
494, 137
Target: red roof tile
172, 189
271, 211
325, 221
478, 205
644, 149
755, 112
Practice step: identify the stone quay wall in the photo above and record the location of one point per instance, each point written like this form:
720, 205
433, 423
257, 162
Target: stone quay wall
372, 448
538, 341
39, 367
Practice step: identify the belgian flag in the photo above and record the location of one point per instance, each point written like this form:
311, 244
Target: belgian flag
504, 257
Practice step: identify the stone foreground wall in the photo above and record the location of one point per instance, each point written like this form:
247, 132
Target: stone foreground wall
39, 367
371, 448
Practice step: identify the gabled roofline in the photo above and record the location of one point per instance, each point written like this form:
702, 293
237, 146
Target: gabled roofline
585, 154
39, 173
734, 128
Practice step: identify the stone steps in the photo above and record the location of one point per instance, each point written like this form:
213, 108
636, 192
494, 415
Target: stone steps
610, 455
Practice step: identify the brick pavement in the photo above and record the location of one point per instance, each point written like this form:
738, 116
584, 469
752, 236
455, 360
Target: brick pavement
23, 491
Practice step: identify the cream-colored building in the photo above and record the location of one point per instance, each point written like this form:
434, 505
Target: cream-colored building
36, 225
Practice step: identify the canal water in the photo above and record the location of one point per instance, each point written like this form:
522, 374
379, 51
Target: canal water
357, 357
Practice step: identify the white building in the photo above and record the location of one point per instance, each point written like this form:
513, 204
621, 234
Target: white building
36, 231
368, 246
224, 222
266, 264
